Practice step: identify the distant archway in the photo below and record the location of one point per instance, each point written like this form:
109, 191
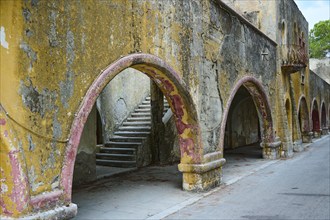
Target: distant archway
174, 90
323, 117
258, 94
303, 115
315, 116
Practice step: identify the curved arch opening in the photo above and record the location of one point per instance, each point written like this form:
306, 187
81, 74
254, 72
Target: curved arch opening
243, 134
251, 88
324, 119
315, 119
303, 116
173, 88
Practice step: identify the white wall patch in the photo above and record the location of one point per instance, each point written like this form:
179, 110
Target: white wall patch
4, 43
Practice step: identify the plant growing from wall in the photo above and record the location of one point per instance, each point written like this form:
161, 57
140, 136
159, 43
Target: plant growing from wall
319, 39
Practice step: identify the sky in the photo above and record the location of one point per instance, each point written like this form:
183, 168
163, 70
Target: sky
314, 10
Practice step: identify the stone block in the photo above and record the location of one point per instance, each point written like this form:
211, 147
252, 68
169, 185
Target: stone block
297, 146
202, 177
271, 150
307, 137
325, 131
317, 133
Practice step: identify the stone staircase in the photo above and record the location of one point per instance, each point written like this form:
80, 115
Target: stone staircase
122, 147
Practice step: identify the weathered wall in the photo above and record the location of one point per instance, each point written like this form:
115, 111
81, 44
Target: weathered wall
242, 125
320, 91
169, 149
121, 97
259, 13
85, 165
232, 41
54, 50
321, 67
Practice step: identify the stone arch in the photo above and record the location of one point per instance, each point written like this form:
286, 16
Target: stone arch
323, 116
262, 105
303, 115
315, 116
173, 88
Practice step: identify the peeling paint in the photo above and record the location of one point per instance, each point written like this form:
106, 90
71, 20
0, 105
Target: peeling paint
31, 54
31, 144
37, 102
4, 43
52, 35
33, 179
57, 127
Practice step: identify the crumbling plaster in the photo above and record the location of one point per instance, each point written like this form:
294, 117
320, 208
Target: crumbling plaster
58, 49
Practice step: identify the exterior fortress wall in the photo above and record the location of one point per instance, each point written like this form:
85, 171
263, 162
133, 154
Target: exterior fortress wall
58, 56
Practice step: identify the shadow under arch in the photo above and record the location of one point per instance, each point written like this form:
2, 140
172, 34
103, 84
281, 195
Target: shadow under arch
323, 116
303, 115
315, 116
174, 90
262, 105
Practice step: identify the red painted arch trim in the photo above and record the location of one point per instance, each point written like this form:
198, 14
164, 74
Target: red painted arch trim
233, 92
312, 105
96, 88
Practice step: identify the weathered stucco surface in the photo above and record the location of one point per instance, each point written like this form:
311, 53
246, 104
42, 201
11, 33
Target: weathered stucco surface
120, 97
58, 56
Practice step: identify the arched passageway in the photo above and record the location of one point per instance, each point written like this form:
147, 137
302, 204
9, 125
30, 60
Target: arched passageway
324, 126
303, 118
173, 89
242, 135
250, 90
315, 119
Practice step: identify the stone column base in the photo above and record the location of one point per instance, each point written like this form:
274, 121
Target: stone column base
63, 212
271, 150
297, 146
317, 134
325, 131
307, 137
202, 177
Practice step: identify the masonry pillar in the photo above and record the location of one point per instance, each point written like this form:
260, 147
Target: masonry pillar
157, 126
282, 127
297, 141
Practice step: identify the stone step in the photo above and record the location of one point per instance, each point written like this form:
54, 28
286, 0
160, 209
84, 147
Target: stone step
122, 157
146, 103
115, 163
132, 133
146, 119
141, 114
142, 110
134, 128
126, 139
119, 150
138, 123
145, 106
116, 144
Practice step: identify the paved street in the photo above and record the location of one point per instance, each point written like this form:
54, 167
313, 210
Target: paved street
254, 188
297, 188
